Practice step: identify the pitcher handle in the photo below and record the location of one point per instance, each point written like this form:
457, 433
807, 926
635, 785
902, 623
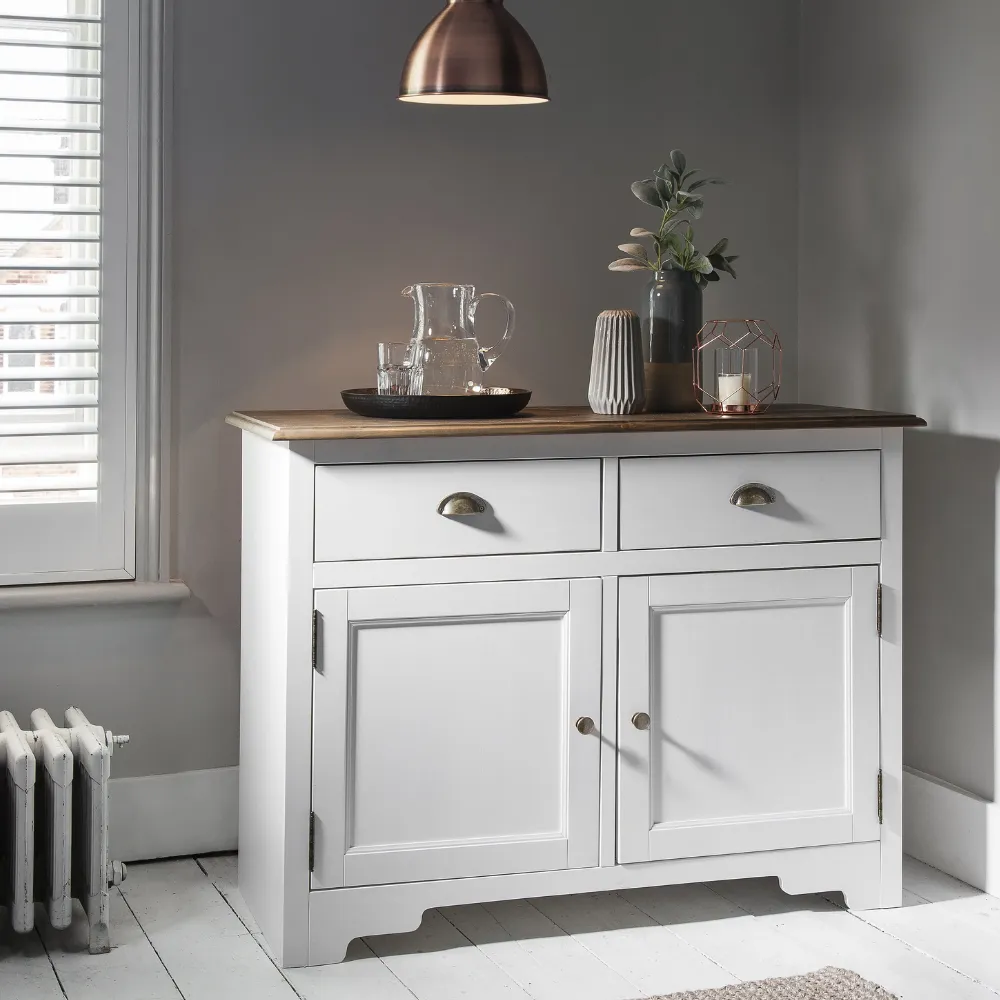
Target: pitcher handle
488, 355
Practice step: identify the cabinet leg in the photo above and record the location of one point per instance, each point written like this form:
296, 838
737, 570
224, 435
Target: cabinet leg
865, 896
356, 917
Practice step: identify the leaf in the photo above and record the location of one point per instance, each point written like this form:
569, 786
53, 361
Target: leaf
719, 248
664, 189
646, 192
627, 264
703, 181
714, 276
679, 160
702, 265
733, 257
634, 250
720, 263
643, 232
691, 202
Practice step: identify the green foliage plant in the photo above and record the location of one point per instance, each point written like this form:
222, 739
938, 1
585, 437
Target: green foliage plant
673, 190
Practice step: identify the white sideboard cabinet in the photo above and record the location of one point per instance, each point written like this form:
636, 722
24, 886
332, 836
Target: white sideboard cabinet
564, 653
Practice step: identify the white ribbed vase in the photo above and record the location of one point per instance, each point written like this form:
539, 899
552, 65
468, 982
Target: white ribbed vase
616, 373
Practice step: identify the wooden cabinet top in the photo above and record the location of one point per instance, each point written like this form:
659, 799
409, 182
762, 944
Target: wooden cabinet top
340, 425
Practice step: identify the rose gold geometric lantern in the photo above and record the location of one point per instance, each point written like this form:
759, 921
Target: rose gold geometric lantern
737, 366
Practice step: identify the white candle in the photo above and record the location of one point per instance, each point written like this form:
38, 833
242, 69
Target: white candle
734, 391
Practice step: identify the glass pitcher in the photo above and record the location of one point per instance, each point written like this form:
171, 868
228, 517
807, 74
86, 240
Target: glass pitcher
444, 328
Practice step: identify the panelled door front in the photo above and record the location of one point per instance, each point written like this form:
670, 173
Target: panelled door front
748, 712
445, 731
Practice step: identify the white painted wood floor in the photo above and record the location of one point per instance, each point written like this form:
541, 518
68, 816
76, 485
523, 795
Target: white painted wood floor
181, 930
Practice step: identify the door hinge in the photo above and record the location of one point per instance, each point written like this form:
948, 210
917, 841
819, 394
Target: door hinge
312, 842
878, 610
315, 641
880, 797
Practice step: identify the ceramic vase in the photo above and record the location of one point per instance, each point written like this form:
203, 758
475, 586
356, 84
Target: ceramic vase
671, 319
616, 375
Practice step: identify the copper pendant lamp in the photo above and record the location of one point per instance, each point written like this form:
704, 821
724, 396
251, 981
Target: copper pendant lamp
474, 52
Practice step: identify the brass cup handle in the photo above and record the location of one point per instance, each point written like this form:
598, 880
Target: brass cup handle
752, 495
585, 725
641, 721
462, 505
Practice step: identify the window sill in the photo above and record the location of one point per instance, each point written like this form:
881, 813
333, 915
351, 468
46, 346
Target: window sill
85, 595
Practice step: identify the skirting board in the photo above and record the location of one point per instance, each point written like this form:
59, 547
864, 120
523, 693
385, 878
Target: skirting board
952, 830
173, 815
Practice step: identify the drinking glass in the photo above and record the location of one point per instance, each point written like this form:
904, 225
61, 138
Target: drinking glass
400, 370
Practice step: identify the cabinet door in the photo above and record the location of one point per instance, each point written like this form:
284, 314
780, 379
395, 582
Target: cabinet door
444, 731
762, 691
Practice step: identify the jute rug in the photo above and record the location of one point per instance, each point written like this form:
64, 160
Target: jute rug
827, 984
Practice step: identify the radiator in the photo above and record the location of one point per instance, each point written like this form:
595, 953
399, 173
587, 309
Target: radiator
54, 822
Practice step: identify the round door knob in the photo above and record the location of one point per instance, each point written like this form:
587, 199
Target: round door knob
585, 725
640, 720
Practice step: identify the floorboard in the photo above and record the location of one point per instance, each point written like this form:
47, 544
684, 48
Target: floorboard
960, 933
633, 944
545, 961
25, 970
208, 951
723, 932
131, 970
362, 974
841, 938
437, 962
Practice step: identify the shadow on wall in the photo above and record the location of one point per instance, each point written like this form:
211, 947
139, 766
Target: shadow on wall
950, 554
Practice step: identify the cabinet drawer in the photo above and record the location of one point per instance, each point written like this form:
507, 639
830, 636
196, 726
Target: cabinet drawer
391, 511
688, 501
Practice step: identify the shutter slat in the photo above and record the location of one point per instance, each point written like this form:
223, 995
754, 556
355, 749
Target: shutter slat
49, 236
46, 430
11, 17
87, 101
50, 319
43, 43
48, 346
53, 210
84, 477
41, 128
61, 182
72, 74
51, 265
66, 458
49, 401
79, 155
61, 291
8, 374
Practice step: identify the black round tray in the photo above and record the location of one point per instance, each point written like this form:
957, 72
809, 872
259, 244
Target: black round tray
490, 403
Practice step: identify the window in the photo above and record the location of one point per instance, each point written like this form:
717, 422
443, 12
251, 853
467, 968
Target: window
74, 210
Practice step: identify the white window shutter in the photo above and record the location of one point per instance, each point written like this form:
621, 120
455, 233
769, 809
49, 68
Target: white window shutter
68, 249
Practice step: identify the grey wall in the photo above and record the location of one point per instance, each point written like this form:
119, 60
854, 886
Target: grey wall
305, 199
899, 308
